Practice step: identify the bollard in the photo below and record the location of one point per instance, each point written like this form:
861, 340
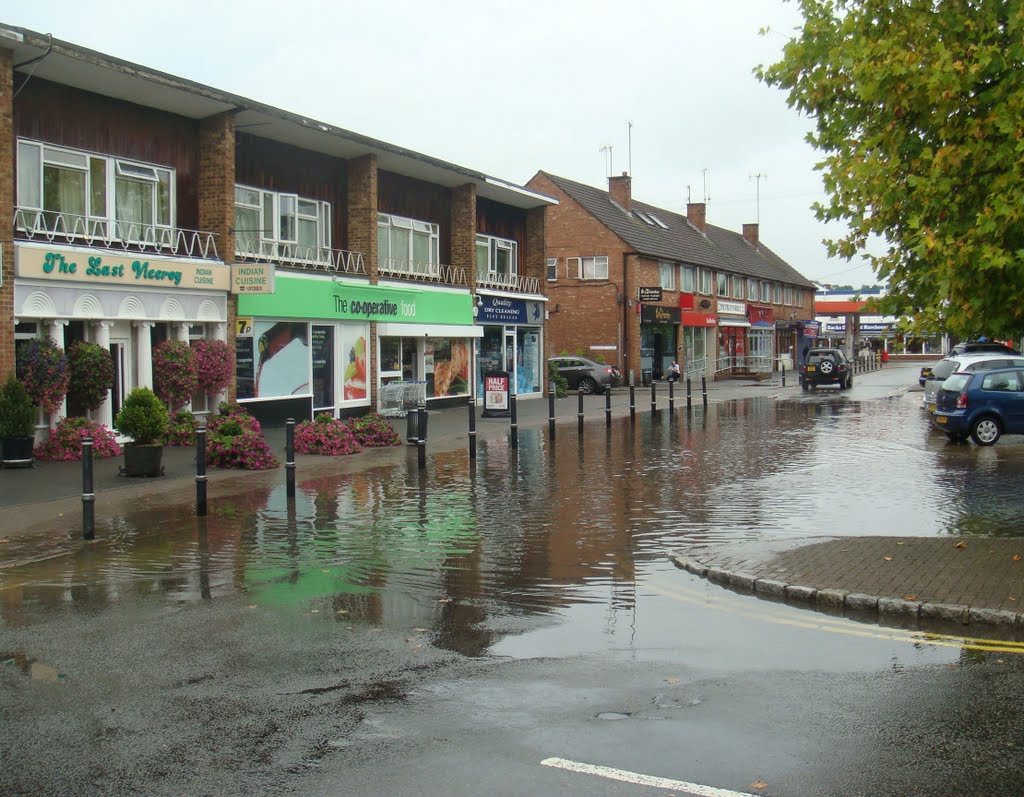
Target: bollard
201, 471
671, 396
472, 429
88, 496
632, 403
421, 437
514, 415
704, 389
689, 398
783, 375
579, 411
608, 408
289, 457
551, 415
654, 397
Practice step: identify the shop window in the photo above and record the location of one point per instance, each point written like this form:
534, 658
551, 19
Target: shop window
282, 359
285, 226
497, 259
83, 194
446, 363
588, 268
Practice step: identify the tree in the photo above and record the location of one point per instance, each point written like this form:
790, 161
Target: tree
917, 107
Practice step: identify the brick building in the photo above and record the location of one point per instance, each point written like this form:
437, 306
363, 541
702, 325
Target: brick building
642, 286
137, 207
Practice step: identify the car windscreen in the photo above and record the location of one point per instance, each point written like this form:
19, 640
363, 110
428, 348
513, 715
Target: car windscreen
956, 382
815, 357
944, 369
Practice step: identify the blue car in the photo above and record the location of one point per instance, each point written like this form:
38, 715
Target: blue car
984, 405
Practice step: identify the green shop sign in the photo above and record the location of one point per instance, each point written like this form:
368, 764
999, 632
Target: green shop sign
309, 298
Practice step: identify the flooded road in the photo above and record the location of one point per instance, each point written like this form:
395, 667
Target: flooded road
373, 588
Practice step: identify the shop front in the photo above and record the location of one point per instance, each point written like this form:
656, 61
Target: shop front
760, 338
126, 302
697, 327
659, 340
512, 340
732, 325
306, 349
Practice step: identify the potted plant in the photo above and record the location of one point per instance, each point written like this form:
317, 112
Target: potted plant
17, 424
91, 375
43, 369
174, 373
143, 417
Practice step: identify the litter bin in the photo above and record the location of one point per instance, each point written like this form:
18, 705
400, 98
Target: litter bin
645, 377
412, 428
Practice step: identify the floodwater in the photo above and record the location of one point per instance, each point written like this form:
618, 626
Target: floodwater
546, 525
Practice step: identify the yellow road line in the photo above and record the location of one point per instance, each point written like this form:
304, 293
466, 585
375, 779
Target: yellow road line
837, 625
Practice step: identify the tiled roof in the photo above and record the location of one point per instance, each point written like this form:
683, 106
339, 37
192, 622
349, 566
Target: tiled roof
717, 248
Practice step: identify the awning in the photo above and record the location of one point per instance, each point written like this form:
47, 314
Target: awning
732, 321
392, 329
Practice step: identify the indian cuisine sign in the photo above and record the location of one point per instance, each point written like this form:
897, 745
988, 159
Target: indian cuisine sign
129, 269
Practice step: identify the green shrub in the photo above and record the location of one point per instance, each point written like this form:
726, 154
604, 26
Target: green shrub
143, 417
92, 374
17, 413
556, 382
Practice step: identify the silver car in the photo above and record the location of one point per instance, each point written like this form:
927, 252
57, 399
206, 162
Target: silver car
966, 363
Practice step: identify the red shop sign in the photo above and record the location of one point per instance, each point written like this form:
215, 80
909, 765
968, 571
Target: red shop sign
699, 320
686, 302
760, 315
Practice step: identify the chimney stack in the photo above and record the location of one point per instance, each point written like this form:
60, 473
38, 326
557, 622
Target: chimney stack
750, 234
696, 214
621, 190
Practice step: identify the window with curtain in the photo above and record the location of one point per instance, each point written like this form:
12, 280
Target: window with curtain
723, 284
496, 257
274, 224
688, 283
415, 243
667, 276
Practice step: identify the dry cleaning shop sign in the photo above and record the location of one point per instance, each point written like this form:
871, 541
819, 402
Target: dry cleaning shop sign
70, 266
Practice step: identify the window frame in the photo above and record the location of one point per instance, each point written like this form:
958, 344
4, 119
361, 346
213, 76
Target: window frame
667, 275
737, 287
751, 289
788, 295
271, 213
415, 227
582, 263
688, 280
551, 266
777, 293
493, 244
704, 282
722, 288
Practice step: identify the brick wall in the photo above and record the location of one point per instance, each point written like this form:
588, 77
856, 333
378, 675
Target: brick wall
216, 196
361, 208
463, 230
534, 259
6, 213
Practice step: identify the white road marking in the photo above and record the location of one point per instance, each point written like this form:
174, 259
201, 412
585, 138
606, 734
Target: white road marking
625, 776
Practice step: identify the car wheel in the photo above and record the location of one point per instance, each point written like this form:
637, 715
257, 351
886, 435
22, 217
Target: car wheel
588, 385
986, 430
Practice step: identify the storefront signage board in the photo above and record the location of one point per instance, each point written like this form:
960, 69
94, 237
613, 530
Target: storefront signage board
699, 320
124, 269
732, 308
687, 301
759, 315
252, 278
500, 310
306, 298
648, 295
496, 385
660, 315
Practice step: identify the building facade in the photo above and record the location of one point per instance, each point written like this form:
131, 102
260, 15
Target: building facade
640, 286
140, 207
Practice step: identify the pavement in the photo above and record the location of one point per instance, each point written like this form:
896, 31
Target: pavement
897, 579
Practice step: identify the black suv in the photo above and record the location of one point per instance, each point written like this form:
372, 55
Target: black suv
826, 367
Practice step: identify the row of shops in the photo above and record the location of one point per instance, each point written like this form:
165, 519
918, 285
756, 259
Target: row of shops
304, 342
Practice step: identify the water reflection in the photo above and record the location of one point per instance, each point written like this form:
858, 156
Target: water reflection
525, 531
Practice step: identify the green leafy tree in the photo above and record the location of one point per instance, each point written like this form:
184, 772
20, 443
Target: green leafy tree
917, 107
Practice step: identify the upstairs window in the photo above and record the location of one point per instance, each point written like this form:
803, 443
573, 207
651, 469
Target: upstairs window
766, 292
723, 284
689, 282
667, 276
552, 269
751, 290
286, 224
496, 257
789, 294
80, 193
704, 281
408, 240
777, 293
587, 268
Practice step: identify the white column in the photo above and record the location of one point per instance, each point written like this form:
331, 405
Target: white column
105, 414
57, 337
181, 331
144, 351
218, 331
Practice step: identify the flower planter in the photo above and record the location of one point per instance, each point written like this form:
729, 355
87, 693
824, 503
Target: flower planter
142, 460
17, 452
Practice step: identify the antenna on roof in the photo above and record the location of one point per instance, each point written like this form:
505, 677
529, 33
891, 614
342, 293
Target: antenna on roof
607, 150
757, 209
629, 151
688, 197
707, 196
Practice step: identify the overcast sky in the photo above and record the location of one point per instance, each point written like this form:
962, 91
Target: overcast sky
509, 88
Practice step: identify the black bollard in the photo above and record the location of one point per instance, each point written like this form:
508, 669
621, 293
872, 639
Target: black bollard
632, 403
514, 415
671, 395
608, 408
201, 471
551, 415
289, 457
88, 496
704, 389
783, 374
421, 437
472, 429
579, 411
654, 397
689, 398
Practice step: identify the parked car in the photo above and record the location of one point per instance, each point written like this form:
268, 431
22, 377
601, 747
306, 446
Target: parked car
826, 367
984, 404
967, 363
967, 347
586, 374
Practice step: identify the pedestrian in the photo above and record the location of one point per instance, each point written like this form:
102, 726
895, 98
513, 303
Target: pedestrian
673, 372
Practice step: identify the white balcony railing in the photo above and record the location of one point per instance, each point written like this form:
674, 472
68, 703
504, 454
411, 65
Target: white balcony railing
431, 272
752, 363
72, 229
316, 258
508, 282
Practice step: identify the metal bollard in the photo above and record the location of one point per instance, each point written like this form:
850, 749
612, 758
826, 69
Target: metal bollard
421, 437
632, 403
671, 396
608, 408
201, 471
704, 389
551, 415
579, 411
689, 397
783, 375
514, 415
289, 457
472, 429
654, 397
88, 495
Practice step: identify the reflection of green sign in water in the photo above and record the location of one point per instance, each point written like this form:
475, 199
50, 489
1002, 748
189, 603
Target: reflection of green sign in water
304, 563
